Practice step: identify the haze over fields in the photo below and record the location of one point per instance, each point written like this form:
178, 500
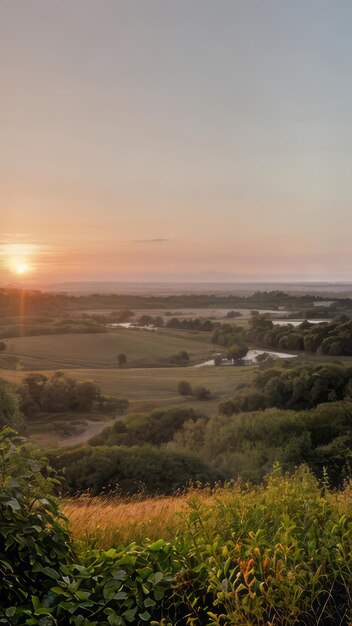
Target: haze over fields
162, 141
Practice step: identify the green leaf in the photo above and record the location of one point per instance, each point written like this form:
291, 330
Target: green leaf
145, 616
157, 545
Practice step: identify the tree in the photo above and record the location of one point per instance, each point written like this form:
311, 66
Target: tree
122, 359
231, 314
184, 388
10, 413
237, 351
263, 356
86, 393
180, 359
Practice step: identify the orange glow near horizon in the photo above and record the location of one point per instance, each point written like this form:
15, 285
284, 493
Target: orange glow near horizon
19, 258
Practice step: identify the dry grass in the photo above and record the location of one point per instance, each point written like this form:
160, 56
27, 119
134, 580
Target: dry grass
111, 521
100, 350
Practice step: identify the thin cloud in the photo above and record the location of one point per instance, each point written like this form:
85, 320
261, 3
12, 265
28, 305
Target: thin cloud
11, 236
160, 240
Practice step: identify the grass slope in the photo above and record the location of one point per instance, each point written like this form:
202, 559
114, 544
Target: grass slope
146, 389
143, 349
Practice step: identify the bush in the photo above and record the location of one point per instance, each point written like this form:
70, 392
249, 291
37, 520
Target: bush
201, 393
34, 541
181, 358
184, 388
122, 359
246, 445
10, 412
156, 427
301, 387
129, 470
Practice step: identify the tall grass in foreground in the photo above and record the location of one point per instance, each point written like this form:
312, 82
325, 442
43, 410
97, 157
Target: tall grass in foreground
111, 521
276, 555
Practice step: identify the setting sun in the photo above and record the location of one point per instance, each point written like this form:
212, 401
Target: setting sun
18, 258
21, 268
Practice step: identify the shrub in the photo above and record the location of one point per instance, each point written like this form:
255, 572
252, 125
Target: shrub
34, 541
129, 470
10, 411
156, 427
122, 359
301, 387
201, 393
184, 388
181, 358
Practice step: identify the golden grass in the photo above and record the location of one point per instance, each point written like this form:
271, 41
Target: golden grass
110, 521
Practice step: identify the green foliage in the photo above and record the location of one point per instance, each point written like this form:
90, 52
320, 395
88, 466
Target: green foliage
129, 470
201, 393
184, 388
275, 554
300, 387
232, 314
10, 411
181, 358
56, 394
333, 338
149, 320
237, 351
247, 445
227, 335
190, 324
155, 428
279, 554
34, 541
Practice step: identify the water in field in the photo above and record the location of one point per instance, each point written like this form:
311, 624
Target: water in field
298, 322
250, 356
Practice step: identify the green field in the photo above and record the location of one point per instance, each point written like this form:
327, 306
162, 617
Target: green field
146, 389
143, 349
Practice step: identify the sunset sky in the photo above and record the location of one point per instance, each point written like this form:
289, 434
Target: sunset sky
175, 140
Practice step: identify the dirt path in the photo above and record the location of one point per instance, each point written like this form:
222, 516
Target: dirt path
93, 428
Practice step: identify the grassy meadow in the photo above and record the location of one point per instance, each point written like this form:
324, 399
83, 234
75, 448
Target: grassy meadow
143, 349
148, 381
145, 389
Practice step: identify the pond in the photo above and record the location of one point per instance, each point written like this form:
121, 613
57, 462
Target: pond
250, 356
298, 322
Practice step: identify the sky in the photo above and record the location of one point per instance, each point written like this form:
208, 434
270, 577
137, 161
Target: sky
175, 140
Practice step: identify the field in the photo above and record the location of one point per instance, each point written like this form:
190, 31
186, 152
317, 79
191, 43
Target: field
145, 389
147, 382
143, 349
214, 314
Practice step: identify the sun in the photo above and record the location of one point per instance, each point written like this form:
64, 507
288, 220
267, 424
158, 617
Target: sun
18, 258
21, 268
